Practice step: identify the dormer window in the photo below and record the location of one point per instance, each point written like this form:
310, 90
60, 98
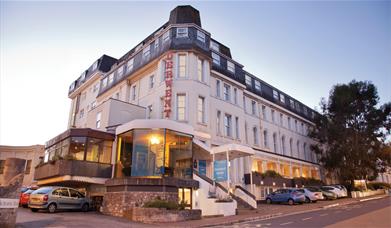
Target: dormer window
120, 71
166, 36
257, 85
305, 111
83, 76
104, 82
248, 80
292, 103
181, 32
275, 94
72, 86
156, 44
282, 98
95, 65
111, 78
214, 46
216, 58
200, 36
129, 65
146, 52
231, 66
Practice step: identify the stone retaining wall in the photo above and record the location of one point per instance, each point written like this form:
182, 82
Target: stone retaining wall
158, 215
358, 194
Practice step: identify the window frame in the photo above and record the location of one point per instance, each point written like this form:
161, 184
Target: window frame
182, 34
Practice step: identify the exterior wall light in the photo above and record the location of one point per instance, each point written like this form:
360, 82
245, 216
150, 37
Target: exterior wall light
154, 140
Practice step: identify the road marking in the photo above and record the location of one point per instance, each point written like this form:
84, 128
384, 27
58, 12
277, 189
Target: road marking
258, 225
306, 218
323, 214
283, 224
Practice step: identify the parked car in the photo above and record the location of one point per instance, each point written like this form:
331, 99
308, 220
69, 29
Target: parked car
24, 198
290, 196
344, 191
336, 190
311, 195
318, 192
328, 193
55, 198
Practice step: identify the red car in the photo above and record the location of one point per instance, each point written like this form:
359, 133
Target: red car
24, 198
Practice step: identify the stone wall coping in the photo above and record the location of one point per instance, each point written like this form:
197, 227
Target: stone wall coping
145, 181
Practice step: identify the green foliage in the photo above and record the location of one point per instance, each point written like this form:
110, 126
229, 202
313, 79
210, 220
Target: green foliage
271, 173
169, 205
351, 132
378, 185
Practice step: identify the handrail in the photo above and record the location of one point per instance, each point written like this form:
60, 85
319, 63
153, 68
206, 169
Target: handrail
210, 181
245, 191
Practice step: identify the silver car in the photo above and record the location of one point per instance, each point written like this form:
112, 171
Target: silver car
55, 198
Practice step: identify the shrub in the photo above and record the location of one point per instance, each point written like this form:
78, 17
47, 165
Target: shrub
270, 173
169, 205
378, 185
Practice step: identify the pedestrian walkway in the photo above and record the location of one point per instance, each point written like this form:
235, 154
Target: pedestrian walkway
265, 211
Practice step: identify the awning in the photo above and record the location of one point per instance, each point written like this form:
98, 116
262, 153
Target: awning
68, 178
233, 150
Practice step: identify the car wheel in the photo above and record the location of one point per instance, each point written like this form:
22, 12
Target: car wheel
52, 208
307, 200
290, 202
85, 207
34, 209
268, 201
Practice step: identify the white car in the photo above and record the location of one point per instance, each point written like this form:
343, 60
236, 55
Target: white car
340, 193
310, 196
317, 192
343, 189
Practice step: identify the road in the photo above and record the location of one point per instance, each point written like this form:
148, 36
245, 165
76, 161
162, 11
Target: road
374, 213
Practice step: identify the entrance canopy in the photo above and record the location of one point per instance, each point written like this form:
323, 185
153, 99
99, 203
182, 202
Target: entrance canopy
231, 151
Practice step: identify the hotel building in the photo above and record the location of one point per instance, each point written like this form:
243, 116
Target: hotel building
169, 116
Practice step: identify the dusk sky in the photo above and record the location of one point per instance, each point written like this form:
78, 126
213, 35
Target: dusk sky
302, 48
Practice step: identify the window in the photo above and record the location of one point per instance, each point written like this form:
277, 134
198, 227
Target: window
201, 110
244, 103
289, 123
216, 58
305, 151
83, 96
217, 88
146, 52
149, 111
95, 65
283, 145
214, 46
281, 119
151, 81
93, 104
156, 45
104, 82
111, 78
200, 36
133, 93
296, 126
28, 167
181, 107
120, 71
253, 107
182, 66
218, 122
129, 65
245, 131
235, 96
298, 149
305, 110
292, 103
231, 66
81, 113
95, 88
248, 80
83, 76
275, 142
237, 127
291, 145
255, 134
282, 98
275, 94
227, 92
272, 111
2, 165
297, 106
166, 36
265, 142
302, 128
264, 112
200, 70
98, 117
257, 85
228, 125
181, 32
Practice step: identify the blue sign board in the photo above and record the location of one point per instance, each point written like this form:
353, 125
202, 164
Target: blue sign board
202, 167
220, 170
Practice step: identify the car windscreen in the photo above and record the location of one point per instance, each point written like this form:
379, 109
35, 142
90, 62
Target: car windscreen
42, 191
313, 189
29, 191
327, 188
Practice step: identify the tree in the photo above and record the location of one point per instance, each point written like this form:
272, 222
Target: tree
352, 131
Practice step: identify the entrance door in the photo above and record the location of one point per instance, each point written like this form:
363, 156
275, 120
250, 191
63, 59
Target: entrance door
184, 196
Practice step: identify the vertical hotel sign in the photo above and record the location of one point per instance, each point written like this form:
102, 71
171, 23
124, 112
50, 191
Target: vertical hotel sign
168, 76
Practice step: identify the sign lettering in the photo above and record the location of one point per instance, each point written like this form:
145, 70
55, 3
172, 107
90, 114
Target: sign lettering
168, 82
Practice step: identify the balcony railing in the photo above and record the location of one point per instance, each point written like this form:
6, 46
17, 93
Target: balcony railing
73, 168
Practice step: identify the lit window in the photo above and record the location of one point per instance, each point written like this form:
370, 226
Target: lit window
282, 98
217, 88
181, 32
235, 96
129, 65
228, 125
237, 127
151, 81
201, 110
133, 93
275, 94
253, 107
181, 107
182, 66
120, 71
216, 58
166, 36
231, 66
98, 117
257, 85
111, 78
227, 92
95, 65
146, 52
214, 46
248, 80
200, 36
255, 134
200, 70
